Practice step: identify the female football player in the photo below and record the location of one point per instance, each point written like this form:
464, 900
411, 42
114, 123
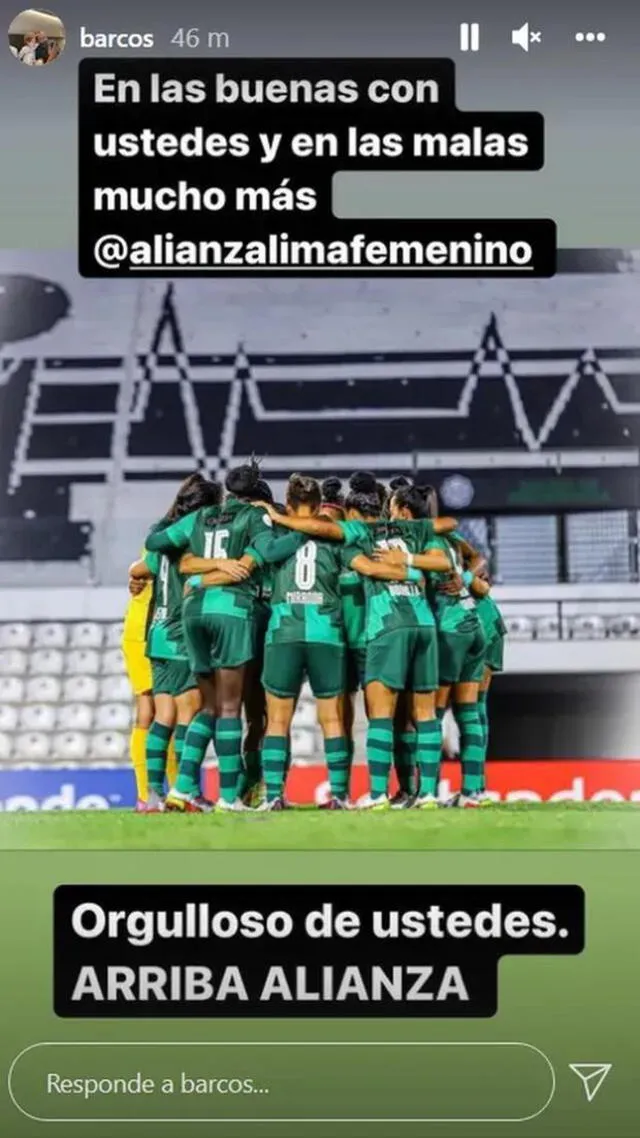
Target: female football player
175, 692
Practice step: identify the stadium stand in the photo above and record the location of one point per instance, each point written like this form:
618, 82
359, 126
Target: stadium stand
73, 705
497, 391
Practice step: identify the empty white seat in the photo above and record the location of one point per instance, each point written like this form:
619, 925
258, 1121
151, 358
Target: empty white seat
43, 689
83, 662
547, 628
519, 627
8, 716
305, 715
113, 717
53, 634
31, 745
11, 689
70, 745
115, 689
88, 634
5, 747
113, 635
16, 635
37, 717
112, 662
47, 662
108, 745
587, 628
624, 626
303, 744
80, 689
75, 717
13, 662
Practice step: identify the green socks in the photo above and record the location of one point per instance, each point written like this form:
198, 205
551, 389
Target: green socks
351, 748
429, 734
379, 755
338, 765
472, 751
275, 750
179, 736
484, 720
228, 742
158, 739
404, 760
198, 736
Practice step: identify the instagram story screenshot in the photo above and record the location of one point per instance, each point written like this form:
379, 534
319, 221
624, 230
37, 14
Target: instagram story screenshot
320, 569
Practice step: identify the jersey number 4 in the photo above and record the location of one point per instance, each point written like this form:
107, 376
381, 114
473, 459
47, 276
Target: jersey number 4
162, 601
305, 573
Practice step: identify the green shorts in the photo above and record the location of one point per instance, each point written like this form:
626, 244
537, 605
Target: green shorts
494, 657
172, 677
219, 640
356, 660
287, 665
404, 660
462, 654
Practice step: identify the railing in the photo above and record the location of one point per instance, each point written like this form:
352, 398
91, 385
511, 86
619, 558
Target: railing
590, 618
589, 548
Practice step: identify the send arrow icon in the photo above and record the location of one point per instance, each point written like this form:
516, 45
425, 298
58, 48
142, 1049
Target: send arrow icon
592, 1076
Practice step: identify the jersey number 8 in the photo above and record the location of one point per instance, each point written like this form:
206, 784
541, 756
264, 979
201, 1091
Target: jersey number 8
306, 566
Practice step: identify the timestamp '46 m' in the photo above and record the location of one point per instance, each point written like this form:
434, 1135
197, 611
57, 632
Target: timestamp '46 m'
193, 37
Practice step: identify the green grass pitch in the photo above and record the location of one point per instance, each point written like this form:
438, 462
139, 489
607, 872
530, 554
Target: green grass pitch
521, 826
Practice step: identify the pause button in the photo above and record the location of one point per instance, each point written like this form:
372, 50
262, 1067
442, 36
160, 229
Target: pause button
469, 37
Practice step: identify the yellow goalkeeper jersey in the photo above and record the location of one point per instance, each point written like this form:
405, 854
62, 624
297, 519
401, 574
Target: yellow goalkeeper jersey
137, 614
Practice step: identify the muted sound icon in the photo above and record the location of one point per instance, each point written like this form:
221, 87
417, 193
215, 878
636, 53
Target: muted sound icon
523, 37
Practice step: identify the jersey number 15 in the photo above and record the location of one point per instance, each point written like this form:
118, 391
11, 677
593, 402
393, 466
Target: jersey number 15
215, 543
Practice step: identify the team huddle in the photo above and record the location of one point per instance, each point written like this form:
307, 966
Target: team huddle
357, 588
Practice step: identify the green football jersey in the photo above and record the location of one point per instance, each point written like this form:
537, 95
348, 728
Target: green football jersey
353, 609
390, 605
165, 637
187, 534
219, 533
453, 613
490, 617
305, 598
238, 526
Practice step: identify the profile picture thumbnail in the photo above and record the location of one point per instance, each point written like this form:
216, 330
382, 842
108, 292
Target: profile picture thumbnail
36, 37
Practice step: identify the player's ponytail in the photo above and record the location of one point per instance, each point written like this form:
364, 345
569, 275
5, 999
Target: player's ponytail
242, 482
429, 496
400, 482
332, 498
409, 498
195, 492
332, 492
363, 495
264, 493
303, 491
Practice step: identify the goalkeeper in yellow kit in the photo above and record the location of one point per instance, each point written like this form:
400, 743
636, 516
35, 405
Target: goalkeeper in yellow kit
138, 668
